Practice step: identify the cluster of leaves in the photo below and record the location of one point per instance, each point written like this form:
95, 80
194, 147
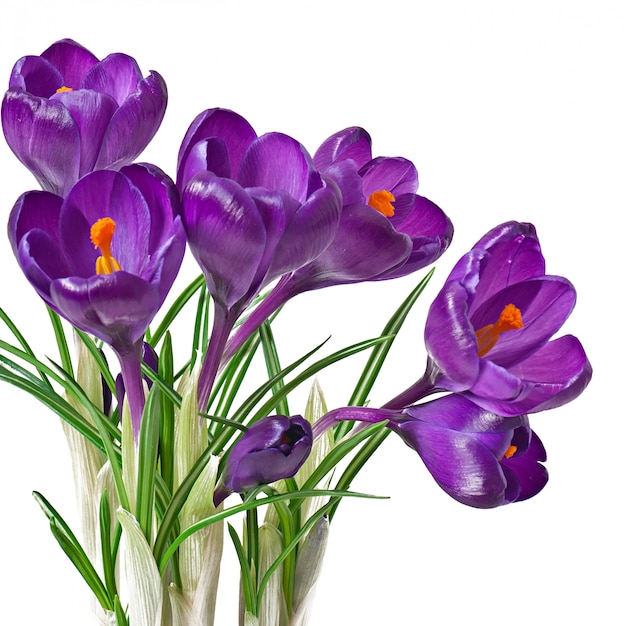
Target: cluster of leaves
156, 500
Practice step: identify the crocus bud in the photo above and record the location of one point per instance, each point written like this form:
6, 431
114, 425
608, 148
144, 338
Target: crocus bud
273, 448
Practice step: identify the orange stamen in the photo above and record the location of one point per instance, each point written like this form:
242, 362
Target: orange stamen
510, 451
509, 319
63, 89
101, 237
381, 201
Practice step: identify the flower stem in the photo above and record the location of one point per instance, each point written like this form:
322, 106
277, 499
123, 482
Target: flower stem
425, 386
223, 323
281, 293
130, 362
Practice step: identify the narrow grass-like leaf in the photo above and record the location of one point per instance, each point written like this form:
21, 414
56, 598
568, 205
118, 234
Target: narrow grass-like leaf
165, 386
61, 341
175, 309
120, 614
22, 341
246, 579
219, 442
108, 563
273, 367
289, 547
56, 403
72, 548
287, 528
339, 452
360, 459
252, 504
167, 423
148, 454
380, 352
313, 369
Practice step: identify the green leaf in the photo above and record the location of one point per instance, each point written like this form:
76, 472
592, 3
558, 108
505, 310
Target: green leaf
148, 454
247, 580
22, 341
253, 504
175, 309
72, 548
61, 341
380, 352
273, 367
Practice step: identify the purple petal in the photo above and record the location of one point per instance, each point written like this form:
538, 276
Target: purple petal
134, 123
34, 209
225, 233
277, 162
351, 143
514, 255
457, 413
164, 262
309, 232
530, 475
460, 463
36, 76
560, 371
450, 338
394, 174
117, 75
223, 124
365, 246
42, 261
71, 59
545, 303
209, 155
117, 308
431, 232
100, 194
161, 196
92, 113
345, 175
44, 137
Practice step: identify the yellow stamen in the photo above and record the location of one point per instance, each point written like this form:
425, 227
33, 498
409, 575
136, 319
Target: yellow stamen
101, 237
63, 89
510, 451
509, 319
381, 201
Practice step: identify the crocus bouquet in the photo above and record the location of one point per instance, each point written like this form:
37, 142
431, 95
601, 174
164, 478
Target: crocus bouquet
169, 443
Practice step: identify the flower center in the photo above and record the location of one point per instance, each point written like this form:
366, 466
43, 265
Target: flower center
510, 452
63, 89
509, 319
381, 201
101, 237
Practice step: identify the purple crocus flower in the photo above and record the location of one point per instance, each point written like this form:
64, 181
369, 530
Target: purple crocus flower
388, 185
479, 458
386, 230
488, 332
254, 208
66, 113
271, 449
105, 256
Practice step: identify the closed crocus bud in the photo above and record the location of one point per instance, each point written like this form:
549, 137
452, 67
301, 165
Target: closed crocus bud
273, 448
66, 113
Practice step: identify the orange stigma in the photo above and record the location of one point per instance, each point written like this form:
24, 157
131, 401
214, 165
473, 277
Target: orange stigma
101, 237
510, 452
381, 201
509, 319
63, 89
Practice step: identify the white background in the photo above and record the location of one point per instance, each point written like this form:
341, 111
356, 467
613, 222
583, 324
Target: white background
509, 111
